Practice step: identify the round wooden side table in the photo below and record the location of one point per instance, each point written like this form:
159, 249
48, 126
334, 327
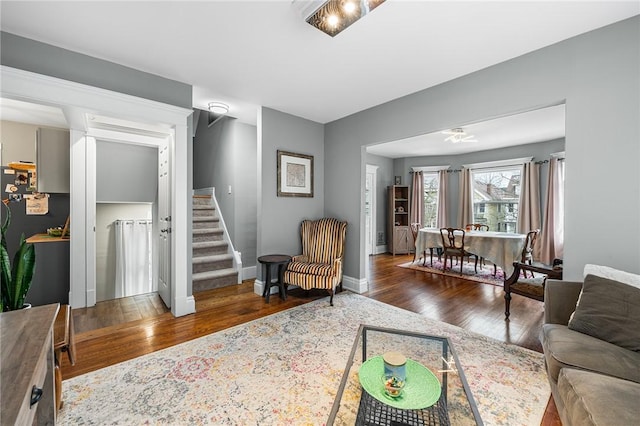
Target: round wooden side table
281, 261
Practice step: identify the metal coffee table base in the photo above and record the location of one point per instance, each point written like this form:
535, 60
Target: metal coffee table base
373, 412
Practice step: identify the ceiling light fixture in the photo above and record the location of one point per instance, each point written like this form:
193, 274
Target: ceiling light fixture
218, 108
458, 135
333, 16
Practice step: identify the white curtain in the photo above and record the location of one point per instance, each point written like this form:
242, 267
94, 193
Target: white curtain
133, 257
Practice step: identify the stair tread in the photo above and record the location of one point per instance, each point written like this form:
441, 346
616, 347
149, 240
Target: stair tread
203, 207
206, 219
207, 231
213, 274
205, 244
212, 258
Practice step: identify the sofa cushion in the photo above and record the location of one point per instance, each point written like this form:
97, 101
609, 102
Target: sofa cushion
608, 310
594, 399
569, 348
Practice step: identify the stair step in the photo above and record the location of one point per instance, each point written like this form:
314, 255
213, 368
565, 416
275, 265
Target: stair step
201, 200
208, 248
212, 263
214, 279
206, 222
207, 234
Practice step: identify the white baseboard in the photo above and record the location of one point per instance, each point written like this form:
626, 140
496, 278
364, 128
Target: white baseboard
354, 284
381, 249
249, 272
258, 287
184, 306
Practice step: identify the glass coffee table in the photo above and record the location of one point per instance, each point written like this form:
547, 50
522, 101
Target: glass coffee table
447, 395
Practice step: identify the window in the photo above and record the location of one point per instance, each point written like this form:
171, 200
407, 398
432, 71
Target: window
496, 194
431, 184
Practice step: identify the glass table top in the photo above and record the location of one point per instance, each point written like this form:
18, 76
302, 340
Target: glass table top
353, 405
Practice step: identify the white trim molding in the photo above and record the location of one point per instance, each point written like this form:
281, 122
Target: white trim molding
354, 284
499, 163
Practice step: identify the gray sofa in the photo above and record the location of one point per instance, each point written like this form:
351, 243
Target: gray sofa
593, 381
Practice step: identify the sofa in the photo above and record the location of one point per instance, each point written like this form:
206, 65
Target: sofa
591, 343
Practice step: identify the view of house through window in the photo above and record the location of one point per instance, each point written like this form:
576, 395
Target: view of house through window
496, 193
430, 200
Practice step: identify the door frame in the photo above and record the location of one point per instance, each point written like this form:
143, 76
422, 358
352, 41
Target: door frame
372, 170
79, 102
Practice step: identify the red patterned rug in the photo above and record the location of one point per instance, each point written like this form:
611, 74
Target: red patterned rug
484, 274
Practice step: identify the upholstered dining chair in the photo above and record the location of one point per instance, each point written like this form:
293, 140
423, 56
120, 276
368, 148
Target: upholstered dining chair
453, 246
527, 250
320, 264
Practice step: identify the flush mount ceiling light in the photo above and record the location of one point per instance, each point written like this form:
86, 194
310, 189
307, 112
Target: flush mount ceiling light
218, 108
333, 16
458, 135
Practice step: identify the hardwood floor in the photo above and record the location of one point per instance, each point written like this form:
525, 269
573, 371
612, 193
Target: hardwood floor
117, 331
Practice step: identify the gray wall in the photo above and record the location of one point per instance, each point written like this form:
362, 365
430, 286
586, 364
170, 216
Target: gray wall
280, 217
384, 178
224, 155
30, 55
126, 173
596, 74
540, 151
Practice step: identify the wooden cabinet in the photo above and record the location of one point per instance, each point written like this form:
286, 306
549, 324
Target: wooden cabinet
399, 239
27, 366
53, 160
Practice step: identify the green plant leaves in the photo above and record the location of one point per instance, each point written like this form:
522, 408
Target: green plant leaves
16, 280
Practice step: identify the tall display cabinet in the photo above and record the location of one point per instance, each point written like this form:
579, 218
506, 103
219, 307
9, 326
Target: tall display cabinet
399, 235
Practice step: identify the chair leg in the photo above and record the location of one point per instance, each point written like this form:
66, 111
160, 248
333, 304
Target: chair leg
475, 266
331, 298
507, 302
430, 255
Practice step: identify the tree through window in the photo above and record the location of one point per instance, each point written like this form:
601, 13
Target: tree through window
431, 184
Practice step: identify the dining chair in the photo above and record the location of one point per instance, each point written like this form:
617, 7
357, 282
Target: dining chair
453, 245
484, 228
527, 250
476, 227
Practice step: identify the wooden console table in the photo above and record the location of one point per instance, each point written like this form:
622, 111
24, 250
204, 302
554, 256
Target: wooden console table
27, 366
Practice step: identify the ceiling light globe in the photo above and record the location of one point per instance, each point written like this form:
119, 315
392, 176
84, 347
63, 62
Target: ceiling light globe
333, 20
218, 108
349, 7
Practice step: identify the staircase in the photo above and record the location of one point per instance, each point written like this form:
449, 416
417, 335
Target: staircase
213, 265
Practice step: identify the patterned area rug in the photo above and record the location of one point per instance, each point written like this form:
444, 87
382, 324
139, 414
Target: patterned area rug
484, 274
286, 369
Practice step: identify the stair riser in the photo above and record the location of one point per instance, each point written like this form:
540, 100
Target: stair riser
212, 266
215, 283
209, 224
209, 251
198, 238
197, 201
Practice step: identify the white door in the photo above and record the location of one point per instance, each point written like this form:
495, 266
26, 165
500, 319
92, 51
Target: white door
164, 221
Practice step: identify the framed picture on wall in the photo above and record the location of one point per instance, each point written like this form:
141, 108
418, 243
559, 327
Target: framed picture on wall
295, 174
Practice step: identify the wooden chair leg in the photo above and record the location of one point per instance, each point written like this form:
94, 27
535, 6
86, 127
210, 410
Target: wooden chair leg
507, 302
331, 298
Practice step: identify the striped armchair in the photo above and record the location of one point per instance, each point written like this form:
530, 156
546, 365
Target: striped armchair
320, 264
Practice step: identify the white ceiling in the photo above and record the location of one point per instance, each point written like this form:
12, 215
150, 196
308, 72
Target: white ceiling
528, 127
252, 53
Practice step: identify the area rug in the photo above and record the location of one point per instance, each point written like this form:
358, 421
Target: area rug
286, 368
484, 274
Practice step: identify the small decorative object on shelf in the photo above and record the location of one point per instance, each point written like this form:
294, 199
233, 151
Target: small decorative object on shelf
394, 365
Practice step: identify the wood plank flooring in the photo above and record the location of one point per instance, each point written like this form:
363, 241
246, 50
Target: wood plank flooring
117, 331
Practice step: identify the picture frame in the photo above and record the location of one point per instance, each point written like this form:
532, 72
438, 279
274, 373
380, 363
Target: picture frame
295, 174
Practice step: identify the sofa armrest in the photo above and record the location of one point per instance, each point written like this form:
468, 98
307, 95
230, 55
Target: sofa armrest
560, 298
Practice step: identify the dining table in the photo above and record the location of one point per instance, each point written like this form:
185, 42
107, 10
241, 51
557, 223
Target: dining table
500, 248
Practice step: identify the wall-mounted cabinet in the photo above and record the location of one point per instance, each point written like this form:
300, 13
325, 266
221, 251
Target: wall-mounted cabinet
53, 160
399, 232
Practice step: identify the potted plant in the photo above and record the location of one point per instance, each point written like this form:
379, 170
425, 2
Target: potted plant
16, 278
